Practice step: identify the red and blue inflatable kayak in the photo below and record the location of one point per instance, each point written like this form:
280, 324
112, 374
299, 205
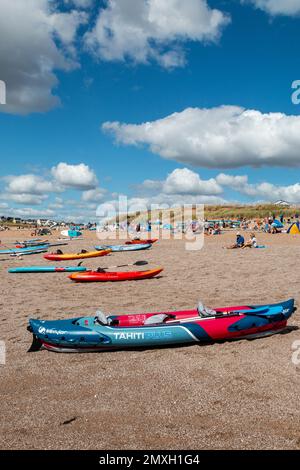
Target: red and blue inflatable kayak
90, 334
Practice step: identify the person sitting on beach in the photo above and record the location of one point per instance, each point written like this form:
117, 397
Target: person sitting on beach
252, 242
216, 230
275, 228
240, 241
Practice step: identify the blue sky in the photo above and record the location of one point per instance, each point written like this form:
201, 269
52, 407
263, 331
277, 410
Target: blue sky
246, 58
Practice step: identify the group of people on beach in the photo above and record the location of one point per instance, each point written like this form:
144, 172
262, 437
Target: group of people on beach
240, 242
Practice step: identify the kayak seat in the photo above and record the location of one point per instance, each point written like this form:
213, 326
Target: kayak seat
205, 312
157, 319
101, 318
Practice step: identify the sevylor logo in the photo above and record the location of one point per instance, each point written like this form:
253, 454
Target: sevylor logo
52, 331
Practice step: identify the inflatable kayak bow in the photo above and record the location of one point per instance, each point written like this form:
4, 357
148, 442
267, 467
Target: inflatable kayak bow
90, 334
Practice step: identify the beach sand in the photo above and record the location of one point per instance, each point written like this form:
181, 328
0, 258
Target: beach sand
234, 395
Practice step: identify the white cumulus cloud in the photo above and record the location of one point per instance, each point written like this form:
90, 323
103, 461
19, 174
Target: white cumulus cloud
24, 198
65, 25
93, 195
186, 186
28, 212
35, 40
180, 182
185, 181
153, 29
75, 176
265, 191
237, 182
29, 184
277, 7
222, 137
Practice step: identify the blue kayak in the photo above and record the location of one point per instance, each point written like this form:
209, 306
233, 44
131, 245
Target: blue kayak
115, 248
29, 249
100, 333
47, 269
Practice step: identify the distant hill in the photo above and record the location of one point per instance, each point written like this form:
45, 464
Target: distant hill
227, 212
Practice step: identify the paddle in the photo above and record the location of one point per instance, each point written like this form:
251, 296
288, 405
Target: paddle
137, 263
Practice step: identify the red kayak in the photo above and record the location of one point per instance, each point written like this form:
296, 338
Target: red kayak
94, 276
134, 242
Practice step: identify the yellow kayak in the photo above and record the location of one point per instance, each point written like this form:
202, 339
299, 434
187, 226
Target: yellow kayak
68, 256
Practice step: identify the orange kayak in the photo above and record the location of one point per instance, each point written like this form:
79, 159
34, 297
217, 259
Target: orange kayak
94, 276
68, 256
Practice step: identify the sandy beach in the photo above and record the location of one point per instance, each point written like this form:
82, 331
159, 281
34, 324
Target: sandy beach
234, 395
